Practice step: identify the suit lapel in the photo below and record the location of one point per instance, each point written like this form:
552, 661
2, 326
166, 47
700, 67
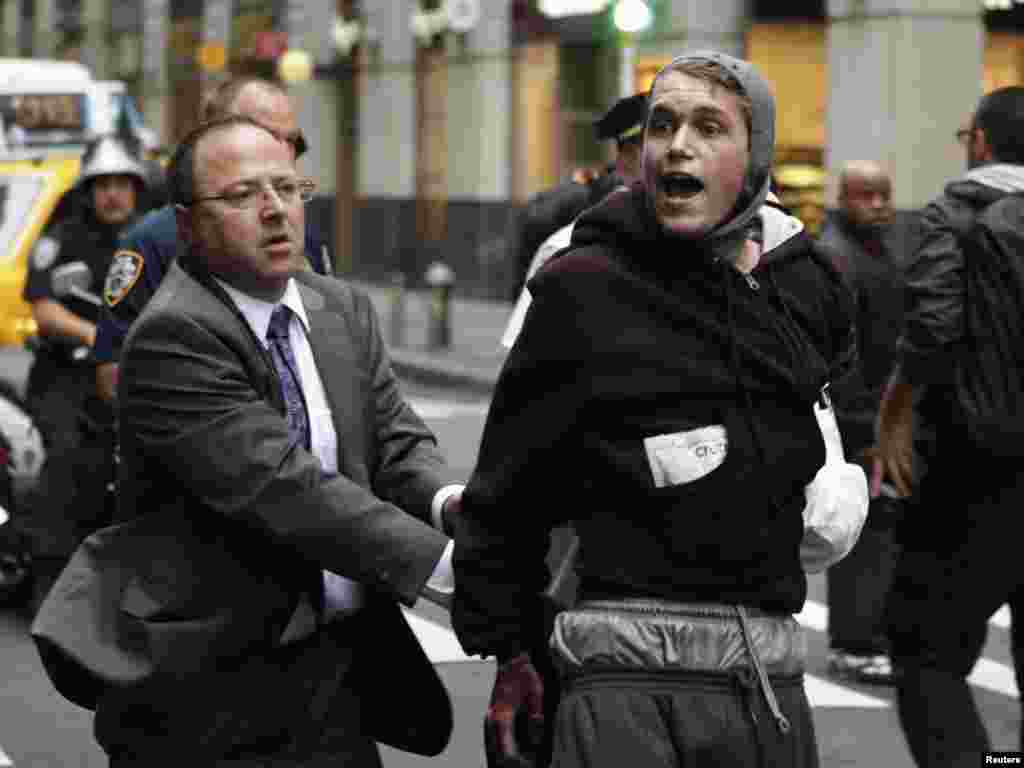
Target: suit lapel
337, 363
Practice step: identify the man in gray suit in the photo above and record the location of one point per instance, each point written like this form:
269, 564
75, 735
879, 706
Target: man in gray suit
277, 495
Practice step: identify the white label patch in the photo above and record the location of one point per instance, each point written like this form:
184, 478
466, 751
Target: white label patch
682, 457
125, 269
45, 253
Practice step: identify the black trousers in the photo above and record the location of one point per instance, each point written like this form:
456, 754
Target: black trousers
859, 584
957, 568
681, 720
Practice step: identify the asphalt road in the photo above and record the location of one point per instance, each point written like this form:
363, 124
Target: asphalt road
857, 726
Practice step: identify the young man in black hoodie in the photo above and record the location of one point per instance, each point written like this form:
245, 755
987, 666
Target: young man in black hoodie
665, 396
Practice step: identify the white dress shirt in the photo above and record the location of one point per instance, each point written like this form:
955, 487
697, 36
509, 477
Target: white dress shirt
342, 596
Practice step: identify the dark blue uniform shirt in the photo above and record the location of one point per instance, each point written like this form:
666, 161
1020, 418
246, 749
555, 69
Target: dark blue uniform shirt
144, 255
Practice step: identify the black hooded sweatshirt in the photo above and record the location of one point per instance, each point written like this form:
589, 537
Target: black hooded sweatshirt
633, 335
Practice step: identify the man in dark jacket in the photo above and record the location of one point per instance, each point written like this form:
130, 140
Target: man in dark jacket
958, 566
276, 503
856, 237
662, 398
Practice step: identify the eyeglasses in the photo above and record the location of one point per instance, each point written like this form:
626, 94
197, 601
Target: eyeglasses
249, 194
963, 135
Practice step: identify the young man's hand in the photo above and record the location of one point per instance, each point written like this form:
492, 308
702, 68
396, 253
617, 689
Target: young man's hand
514, 726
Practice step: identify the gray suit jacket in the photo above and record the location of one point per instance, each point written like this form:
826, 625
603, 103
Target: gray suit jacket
223, 524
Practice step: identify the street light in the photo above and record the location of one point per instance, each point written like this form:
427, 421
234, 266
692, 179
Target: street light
295, 66
630, 17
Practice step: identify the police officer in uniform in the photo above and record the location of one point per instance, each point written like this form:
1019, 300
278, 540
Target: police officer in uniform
147, 249
61, 381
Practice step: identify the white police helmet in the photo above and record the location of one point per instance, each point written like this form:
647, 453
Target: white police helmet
109, 157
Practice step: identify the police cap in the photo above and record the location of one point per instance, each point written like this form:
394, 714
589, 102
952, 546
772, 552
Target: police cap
625, 120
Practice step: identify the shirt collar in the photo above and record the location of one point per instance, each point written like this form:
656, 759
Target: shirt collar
257, 311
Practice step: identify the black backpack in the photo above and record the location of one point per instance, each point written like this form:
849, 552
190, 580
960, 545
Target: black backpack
989, 366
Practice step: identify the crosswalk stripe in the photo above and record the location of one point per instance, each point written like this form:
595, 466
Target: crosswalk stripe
439, 642
987, 674
430, 408
821, 693
995, 677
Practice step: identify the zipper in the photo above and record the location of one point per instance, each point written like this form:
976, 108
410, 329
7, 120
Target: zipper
754, 285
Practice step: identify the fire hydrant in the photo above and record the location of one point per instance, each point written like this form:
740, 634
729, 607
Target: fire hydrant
440, 279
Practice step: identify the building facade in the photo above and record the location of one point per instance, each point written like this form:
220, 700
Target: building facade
429, 129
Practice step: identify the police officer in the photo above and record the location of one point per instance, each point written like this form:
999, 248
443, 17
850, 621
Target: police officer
146, 250
61, 379
556, 207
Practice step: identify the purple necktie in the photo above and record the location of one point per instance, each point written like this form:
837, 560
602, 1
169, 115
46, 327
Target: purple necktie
288, 372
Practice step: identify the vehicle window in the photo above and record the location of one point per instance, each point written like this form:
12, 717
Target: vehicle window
18, 194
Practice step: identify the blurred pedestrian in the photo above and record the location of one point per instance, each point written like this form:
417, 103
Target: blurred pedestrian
962, 532
552, 209
856, 237
147, 249
276, 503
61, 395
665, 397
624, 123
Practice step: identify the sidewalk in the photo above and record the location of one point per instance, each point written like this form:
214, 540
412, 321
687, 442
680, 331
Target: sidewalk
473, 359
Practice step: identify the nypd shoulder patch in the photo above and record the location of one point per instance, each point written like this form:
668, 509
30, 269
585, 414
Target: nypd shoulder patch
44, 254
125, 270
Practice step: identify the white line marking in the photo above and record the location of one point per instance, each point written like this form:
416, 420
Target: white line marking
439, 642
443, 409
987, 674
995, 677
5, 761
815, 616
822, 694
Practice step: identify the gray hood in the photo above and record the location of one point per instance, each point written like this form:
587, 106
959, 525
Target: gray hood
762, 140
1006, 177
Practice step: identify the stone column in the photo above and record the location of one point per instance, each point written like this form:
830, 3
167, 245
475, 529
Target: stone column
682, 25
44, 34
903, 76
155, 31
96, 44
11, 22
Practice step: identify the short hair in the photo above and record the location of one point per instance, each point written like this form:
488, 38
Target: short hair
219, 101
713, 72
181, 172
1000, 115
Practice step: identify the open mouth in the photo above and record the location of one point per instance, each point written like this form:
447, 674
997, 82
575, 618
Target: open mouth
681, 186
281, 239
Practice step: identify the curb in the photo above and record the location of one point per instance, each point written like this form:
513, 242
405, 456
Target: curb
448, 373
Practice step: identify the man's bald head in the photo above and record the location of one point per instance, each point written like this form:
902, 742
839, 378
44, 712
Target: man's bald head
865, 194
264, 101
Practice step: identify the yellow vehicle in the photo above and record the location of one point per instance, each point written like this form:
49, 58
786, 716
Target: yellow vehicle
31, 194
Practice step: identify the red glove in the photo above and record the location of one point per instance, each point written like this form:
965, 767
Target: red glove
514, 726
